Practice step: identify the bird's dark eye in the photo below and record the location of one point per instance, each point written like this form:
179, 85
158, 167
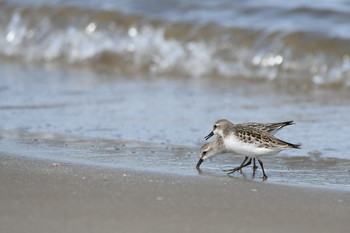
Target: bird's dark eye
215, 126
204, 152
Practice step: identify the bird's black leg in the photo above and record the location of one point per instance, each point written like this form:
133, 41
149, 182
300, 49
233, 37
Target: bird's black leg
254, 165
240, 167
262, 168
245, 159
254, 169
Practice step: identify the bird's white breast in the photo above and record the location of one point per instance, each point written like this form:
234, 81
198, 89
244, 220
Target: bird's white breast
251, 150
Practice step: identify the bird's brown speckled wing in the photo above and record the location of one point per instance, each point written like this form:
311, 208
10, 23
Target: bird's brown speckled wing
271, 128
261, 138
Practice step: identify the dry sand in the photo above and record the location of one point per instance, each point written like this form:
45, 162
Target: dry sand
38, 197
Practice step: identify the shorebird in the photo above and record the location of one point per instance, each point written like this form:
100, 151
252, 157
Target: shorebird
249, 141
211, 149
216, 147
271, 128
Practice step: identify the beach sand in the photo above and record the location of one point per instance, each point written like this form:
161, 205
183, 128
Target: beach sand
36, 196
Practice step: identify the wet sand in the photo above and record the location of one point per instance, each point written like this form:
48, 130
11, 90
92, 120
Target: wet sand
38, 197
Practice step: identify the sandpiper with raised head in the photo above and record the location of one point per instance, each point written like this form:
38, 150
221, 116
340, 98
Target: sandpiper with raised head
215, 147
249, 141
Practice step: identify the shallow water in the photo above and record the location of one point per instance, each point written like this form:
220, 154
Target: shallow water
120, 73
61, 150
168, 111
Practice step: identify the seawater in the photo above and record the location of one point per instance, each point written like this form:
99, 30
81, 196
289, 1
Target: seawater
298, 43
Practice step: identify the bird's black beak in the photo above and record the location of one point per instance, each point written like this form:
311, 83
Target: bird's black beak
209, 135
199, 163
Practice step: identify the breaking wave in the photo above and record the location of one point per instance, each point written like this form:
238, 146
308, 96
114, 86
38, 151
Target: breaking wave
133, 44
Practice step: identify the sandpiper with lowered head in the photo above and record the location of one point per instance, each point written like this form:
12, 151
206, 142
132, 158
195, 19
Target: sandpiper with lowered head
211, 149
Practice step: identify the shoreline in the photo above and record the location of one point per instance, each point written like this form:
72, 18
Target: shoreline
39, 197
310, 171
203, 173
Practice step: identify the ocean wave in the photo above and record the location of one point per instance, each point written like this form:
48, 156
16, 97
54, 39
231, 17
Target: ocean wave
132, 44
